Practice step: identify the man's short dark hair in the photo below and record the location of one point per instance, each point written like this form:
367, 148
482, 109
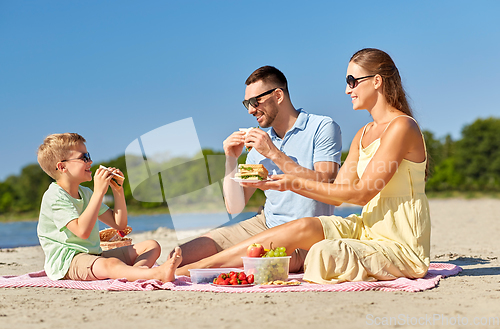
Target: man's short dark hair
269, 75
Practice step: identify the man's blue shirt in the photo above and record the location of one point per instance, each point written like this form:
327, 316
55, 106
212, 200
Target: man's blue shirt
313, 138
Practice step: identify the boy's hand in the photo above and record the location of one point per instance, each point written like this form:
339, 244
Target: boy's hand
102, 179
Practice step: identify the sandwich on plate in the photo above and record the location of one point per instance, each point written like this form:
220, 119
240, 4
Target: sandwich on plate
251, 172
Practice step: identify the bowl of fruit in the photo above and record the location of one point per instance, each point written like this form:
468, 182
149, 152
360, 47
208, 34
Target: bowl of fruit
266, 265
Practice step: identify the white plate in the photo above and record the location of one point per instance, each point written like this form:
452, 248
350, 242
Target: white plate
279, 285
240, 180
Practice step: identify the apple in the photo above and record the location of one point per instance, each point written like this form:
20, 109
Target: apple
255, 250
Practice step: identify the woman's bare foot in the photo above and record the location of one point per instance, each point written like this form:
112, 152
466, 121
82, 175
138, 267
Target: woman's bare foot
168, 268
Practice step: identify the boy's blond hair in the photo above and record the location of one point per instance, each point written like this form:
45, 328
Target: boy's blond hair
55, 148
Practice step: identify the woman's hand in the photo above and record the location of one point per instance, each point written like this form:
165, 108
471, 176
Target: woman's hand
281, 183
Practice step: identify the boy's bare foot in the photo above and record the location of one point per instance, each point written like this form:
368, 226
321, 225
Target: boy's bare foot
168, 268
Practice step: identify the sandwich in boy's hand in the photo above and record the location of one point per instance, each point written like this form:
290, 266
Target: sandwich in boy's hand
251, 172
116, 177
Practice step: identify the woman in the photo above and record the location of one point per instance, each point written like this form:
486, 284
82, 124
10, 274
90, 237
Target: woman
384, 172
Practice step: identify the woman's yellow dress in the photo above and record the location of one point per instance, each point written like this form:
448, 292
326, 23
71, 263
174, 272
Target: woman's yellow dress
390, 239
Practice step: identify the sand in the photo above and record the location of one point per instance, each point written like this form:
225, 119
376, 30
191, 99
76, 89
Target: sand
464, 232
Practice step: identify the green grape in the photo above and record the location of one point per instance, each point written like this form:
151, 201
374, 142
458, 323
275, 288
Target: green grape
281, 249
270, 253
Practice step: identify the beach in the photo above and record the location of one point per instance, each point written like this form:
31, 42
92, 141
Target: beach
464, 232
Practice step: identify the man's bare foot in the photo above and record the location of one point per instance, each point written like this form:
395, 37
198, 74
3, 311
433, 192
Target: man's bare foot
168, 268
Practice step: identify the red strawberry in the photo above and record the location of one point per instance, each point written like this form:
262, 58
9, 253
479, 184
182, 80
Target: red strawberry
242, 276
244, 282
250, 278
231, 273
227, 281
234, 282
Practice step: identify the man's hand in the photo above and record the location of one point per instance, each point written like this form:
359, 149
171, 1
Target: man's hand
260, 140
233, 145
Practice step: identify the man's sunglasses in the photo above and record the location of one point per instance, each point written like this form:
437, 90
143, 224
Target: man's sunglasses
352, 82
85, 157
254, 100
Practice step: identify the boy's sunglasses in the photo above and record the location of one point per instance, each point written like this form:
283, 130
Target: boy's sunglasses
253, 101
85, 157
352, 82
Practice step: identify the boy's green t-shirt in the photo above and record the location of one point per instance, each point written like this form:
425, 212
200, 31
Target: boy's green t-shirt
59, 244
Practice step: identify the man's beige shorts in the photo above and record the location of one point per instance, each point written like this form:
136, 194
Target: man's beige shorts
81, 265
228, 236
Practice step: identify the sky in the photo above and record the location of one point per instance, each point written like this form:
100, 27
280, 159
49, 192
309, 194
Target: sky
113, 71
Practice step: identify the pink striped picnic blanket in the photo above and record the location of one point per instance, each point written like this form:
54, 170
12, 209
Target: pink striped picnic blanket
183, 283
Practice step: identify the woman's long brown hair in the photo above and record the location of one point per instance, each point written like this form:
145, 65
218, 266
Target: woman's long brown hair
376, 61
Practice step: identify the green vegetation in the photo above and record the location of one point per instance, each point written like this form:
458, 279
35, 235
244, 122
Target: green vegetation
20, 196
468, 168
470, 165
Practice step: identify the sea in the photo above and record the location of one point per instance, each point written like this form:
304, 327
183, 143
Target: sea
23, 233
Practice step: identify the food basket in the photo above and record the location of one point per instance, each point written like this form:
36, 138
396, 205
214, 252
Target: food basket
111, 239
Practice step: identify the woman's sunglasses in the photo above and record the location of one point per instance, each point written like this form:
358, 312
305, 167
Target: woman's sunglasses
352, 82
85, 157
254, 100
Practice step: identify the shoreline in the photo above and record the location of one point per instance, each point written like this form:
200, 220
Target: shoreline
452, 195
132, 213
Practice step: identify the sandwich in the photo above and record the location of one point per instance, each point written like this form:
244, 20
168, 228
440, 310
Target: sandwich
247, 130
251, 172
117, 178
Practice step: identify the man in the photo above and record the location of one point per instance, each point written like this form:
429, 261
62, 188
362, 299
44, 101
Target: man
304, 144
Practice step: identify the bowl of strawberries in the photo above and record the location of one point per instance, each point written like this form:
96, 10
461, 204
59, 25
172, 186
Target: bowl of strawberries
232, 278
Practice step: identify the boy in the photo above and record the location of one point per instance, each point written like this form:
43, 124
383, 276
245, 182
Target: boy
68, 229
